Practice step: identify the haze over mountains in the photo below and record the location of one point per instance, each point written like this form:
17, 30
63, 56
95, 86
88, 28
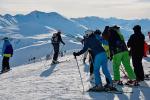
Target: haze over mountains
38, 22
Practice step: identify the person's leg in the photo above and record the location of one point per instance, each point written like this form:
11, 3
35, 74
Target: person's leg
91, 64
105, 69
7, 63
116, 66
85, 56
56, 51
128, 68
4, 64
97, 64
138, 68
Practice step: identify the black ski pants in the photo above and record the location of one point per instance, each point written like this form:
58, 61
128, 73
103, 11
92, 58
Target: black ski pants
5, 64
56, 51
138, 67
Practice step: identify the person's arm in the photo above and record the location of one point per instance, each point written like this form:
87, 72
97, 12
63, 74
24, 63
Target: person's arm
101, 40
61, 40
84, 49
129, 42
3, 49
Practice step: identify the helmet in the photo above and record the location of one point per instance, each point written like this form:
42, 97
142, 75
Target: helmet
97, 32
88, 33
137, 27
5, 38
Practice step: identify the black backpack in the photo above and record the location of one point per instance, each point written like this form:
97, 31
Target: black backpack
54, 38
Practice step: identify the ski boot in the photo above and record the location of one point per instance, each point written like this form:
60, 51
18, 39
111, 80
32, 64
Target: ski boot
109, 87
132, 83
54, 62
97, 88
118, 82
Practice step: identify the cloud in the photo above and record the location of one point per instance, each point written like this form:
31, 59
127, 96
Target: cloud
77, 8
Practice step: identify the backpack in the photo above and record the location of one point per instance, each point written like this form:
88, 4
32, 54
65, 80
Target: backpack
54, 38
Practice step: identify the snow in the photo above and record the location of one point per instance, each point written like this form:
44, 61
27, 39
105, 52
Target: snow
42, 81
36, 79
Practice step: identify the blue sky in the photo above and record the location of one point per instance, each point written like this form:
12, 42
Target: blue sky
127, 9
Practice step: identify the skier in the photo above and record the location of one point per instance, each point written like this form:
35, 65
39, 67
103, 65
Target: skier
55, 40
92, 41
119, 53
149, 35
146, 49
136, 44
7, 52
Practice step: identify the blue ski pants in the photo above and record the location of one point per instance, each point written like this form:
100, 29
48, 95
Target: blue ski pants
101, 60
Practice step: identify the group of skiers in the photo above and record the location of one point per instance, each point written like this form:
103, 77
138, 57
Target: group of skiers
111, 45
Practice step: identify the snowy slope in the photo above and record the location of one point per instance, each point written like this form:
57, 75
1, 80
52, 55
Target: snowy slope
41, 81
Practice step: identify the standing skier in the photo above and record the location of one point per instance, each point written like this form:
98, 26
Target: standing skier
136, 44
55, 40
92, 41
119, 53
7, 52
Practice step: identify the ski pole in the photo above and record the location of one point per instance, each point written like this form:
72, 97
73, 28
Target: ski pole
61, 51
80, 74
123, 71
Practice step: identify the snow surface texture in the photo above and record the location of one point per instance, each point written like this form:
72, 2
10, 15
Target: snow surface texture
33, 78
42, 81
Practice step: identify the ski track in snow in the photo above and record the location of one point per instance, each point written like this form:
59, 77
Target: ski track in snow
42, 81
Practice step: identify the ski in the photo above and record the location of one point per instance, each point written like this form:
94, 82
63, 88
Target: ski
113, 91
5, 71
60, 62
147, 77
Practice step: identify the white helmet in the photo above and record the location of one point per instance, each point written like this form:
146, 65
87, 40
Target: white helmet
88, 33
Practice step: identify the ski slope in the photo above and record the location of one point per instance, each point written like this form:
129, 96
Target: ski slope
42, 81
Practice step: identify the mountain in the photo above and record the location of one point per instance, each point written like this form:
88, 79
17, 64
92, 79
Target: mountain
38, 22
126, 26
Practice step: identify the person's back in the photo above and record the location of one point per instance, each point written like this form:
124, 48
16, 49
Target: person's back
136, 43
94, 44
116, 41
7, 48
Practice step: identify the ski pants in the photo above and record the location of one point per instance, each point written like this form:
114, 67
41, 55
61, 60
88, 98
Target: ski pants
5, 64
56, 51
101, 60
138, 67
125, 59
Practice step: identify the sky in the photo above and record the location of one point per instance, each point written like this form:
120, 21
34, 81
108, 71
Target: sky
126, 9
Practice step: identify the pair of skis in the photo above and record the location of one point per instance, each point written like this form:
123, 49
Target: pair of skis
111, 91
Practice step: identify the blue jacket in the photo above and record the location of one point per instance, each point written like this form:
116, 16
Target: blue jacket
93, 42
7, 48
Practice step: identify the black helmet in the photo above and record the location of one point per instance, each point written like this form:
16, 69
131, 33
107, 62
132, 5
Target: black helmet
97, 32
137, 27
5, 38
116, 27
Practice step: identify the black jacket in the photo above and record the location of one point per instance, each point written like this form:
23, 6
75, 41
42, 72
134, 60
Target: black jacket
58, 39
136, 44
116, 44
